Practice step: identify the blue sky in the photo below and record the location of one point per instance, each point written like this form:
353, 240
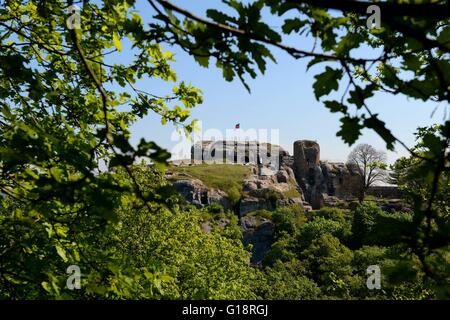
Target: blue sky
281, 99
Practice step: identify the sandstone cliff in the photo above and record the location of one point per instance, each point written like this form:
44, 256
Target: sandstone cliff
276, 178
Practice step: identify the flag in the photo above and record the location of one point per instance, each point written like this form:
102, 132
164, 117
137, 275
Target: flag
237, 126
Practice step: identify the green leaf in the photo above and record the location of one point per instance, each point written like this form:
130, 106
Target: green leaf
350, 129
56, 173
46, 286
61, 252
326, 82
202, 61
228, 73
380, 128
116, 41
444, 36
359, 95
32, 173
293, 25
218, 16
335, 106
412, 62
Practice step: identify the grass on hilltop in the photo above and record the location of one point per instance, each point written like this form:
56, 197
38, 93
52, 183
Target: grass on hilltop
226, 177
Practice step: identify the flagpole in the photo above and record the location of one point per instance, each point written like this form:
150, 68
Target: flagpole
235, 147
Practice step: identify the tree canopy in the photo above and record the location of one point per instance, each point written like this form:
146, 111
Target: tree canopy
370, 165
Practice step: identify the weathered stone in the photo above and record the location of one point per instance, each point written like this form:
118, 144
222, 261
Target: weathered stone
341, 180
249, 204
195, 192
319, 183
385, 191
318, 188
281, 187
224, 222
290, 173
395, 207
306, 157
250, 185
308, 172
259, 232
287, 161
266, 173
282, 176
226, 151
290, 201
206, 226
220, 197
331, 201
297, 200
321, 179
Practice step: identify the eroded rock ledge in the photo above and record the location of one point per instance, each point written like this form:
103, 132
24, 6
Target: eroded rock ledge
276, 178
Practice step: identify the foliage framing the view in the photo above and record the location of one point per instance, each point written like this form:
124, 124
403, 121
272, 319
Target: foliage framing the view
66, 107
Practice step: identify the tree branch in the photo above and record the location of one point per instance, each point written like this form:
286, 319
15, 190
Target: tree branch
294, 52
438, 10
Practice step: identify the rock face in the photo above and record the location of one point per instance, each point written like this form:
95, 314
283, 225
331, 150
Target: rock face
263, 188
218, 196
308, 171
243, 152
306, 157
282, 176
249, 204
208, 226
322, 180
342, 180
318, 182
195, 192
259, 232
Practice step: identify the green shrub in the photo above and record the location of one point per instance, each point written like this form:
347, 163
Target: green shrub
326, 256
287, 281
261, 213
215, 208
373, 226
334, 214
366, 256
282, 250
364, 216
234, 195
288, 219
321, 226
391, 228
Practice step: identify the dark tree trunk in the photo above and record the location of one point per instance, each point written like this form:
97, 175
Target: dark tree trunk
362, 195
